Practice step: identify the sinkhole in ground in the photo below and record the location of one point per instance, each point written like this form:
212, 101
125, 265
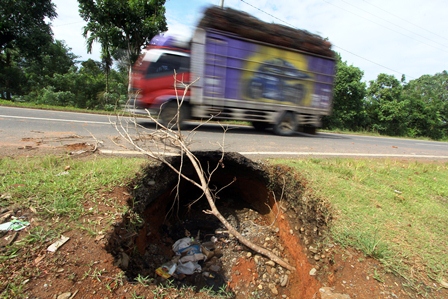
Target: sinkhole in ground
267, 204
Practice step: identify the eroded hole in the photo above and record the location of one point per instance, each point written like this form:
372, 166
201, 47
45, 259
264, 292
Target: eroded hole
166, 209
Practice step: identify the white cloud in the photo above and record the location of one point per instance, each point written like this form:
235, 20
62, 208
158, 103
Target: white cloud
378, 36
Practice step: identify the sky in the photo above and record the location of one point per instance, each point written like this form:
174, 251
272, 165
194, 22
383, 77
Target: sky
394, 37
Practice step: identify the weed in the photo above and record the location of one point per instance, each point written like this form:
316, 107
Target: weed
372, 245
135, 296
377, 276
221, 293
159, 292
144, 280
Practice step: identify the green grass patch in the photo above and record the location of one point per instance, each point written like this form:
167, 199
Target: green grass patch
56, 108
394, 211
57, 186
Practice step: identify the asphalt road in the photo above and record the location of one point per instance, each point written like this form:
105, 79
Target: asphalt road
22, 127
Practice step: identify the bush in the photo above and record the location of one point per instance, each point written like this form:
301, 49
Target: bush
58, 98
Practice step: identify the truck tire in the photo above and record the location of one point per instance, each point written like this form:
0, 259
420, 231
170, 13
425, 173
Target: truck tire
286, 125
260, 125
168, 115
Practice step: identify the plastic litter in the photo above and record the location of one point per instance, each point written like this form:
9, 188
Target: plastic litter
166, 270
55, 246
188, 268
188, 254
15, 225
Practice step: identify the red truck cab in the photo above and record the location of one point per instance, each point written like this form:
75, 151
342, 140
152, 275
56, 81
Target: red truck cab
153, 82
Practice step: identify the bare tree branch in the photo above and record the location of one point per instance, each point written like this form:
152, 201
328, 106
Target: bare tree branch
165, 139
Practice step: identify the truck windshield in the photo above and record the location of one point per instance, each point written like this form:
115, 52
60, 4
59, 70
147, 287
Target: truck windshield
167, 64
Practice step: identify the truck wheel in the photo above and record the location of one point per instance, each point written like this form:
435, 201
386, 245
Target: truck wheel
168, 115
287, 124
260, 125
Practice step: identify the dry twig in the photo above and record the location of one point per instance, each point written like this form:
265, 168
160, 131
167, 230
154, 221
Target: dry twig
165, 138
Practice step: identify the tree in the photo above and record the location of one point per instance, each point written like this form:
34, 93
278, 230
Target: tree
55, 58
348, 99
118, 24
23, 33
428, 106
386, 109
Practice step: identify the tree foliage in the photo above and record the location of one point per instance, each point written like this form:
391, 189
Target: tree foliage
427, 98
24, 35
23, 25
385, 107
348, 99
118, 24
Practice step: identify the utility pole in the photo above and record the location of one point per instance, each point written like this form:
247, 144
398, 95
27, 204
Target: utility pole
222, 3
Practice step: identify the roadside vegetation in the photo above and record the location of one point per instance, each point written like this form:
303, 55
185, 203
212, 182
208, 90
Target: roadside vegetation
393, 211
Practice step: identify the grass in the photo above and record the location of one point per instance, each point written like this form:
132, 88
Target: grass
55, 186
394, 211
50, 107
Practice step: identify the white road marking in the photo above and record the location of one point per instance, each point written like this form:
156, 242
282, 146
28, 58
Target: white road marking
55, 119
113, 152
432, 144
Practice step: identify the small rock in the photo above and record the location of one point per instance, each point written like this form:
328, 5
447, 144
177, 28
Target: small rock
327, 293
270, 263
291, 232
260, 286
316, 257
284, 280
312, 249
273, 289
313, 272
249, 254
64, 295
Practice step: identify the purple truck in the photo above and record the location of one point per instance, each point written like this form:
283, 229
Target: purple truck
278, 78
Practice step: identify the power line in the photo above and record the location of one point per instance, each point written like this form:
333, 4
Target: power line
366, 59
386, 26
407, 21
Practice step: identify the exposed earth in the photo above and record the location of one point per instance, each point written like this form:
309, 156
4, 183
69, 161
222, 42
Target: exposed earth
270, 206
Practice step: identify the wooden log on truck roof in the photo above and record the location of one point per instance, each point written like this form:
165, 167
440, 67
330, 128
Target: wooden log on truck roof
245, 25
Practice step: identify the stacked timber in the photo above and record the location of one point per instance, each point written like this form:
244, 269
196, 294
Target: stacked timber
245, 25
